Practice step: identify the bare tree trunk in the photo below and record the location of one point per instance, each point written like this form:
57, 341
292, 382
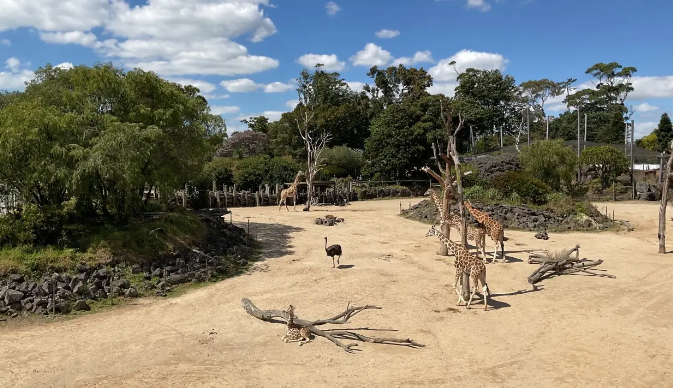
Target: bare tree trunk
664, 199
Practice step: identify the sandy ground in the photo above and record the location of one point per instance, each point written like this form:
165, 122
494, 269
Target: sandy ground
575, 331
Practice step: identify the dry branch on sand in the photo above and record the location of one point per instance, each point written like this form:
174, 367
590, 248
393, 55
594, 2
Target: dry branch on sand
560, 263
333, 335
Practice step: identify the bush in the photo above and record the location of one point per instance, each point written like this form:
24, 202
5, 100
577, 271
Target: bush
480, 193
607, 161
528, 188
252, 172
221, 170
491, 165
342, 161
551, 161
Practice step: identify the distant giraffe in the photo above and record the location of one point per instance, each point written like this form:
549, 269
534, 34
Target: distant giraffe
492, 227
478, 235
465, 262
290, 192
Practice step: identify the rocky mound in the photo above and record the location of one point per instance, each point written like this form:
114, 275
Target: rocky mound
519, 217
222, 253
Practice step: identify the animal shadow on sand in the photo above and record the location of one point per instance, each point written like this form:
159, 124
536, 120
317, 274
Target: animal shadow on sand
274, 238
345, 266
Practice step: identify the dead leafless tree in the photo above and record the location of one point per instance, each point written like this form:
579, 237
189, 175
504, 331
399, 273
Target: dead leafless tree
331, 334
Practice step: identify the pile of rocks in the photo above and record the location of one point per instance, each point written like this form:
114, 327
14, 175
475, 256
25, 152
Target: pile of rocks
518, 217
223, 249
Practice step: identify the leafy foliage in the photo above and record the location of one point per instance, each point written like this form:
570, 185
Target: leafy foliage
649, 142
664, 133
342, 161
251, 172
524, 185
550, 161
244, 144
607, 161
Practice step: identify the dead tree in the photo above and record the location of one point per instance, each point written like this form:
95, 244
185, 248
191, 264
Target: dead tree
560, 263
664, 198
331, 334
315, 141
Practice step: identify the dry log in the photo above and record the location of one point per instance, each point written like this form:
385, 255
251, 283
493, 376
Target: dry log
333, 335
561, 264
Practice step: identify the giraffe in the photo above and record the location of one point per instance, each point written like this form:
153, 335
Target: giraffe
290, 192
492, 227
295, 332
465, 262
478, 235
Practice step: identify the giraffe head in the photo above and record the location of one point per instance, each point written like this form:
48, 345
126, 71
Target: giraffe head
290, 310
431, 232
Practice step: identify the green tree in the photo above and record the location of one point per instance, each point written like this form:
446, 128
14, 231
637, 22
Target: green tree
664, 133
257, 124
343, 161
550, 161
607, 161
649, 142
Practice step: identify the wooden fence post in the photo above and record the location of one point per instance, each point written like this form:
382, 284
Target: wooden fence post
233, 201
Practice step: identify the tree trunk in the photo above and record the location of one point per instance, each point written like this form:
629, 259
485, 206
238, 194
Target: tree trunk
309, 194
662, 207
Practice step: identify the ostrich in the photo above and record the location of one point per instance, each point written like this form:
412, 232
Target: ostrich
333, 250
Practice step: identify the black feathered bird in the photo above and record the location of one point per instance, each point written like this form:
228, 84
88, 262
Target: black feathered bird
333, 250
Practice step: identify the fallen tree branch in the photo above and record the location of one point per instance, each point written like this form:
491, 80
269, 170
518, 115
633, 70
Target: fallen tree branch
333, 335
554, 264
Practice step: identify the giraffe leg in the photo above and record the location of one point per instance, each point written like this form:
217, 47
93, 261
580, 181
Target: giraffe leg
294, 202
459, 275
475, 284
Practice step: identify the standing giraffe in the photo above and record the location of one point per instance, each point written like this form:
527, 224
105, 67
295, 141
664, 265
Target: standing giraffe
492, 227
477, 235
465, 262
290, 192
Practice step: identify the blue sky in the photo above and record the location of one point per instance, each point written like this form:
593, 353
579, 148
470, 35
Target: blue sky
244, 54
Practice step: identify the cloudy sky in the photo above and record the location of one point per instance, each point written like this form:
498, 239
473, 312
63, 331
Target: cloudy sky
244, 54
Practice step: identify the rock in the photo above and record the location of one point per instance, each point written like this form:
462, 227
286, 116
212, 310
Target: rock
13, 296
3, 291
135, 268
82, 268
15, 277
122, 283
177, 279
81, 305
79, 288
100, 294
131, 293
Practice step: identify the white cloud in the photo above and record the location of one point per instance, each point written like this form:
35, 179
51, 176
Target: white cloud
419, 57
165, 36
70, 37
65, 66
644, 128
332, 8
387, 34
445, 88
204, 86
651, 87
291, 104
465, 59
356, 86
242, 85
371, 55
14, 78
482, 5
645, 107
224, 110
277, 87
13, 64
331, 61
5, 42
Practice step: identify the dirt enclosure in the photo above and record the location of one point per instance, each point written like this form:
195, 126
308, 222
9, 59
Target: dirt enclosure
574, 331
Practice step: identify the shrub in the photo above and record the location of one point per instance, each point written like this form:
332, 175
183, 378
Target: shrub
528, 188
560, 203
221, 170
252, 172
491, 165
608, 162
551, 161
480, 193
342, 161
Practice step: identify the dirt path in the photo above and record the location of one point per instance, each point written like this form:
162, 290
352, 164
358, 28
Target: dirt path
575, 331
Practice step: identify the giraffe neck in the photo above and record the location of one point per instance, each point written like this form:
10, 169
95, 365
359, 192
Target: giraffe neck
449, 244
480, 216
